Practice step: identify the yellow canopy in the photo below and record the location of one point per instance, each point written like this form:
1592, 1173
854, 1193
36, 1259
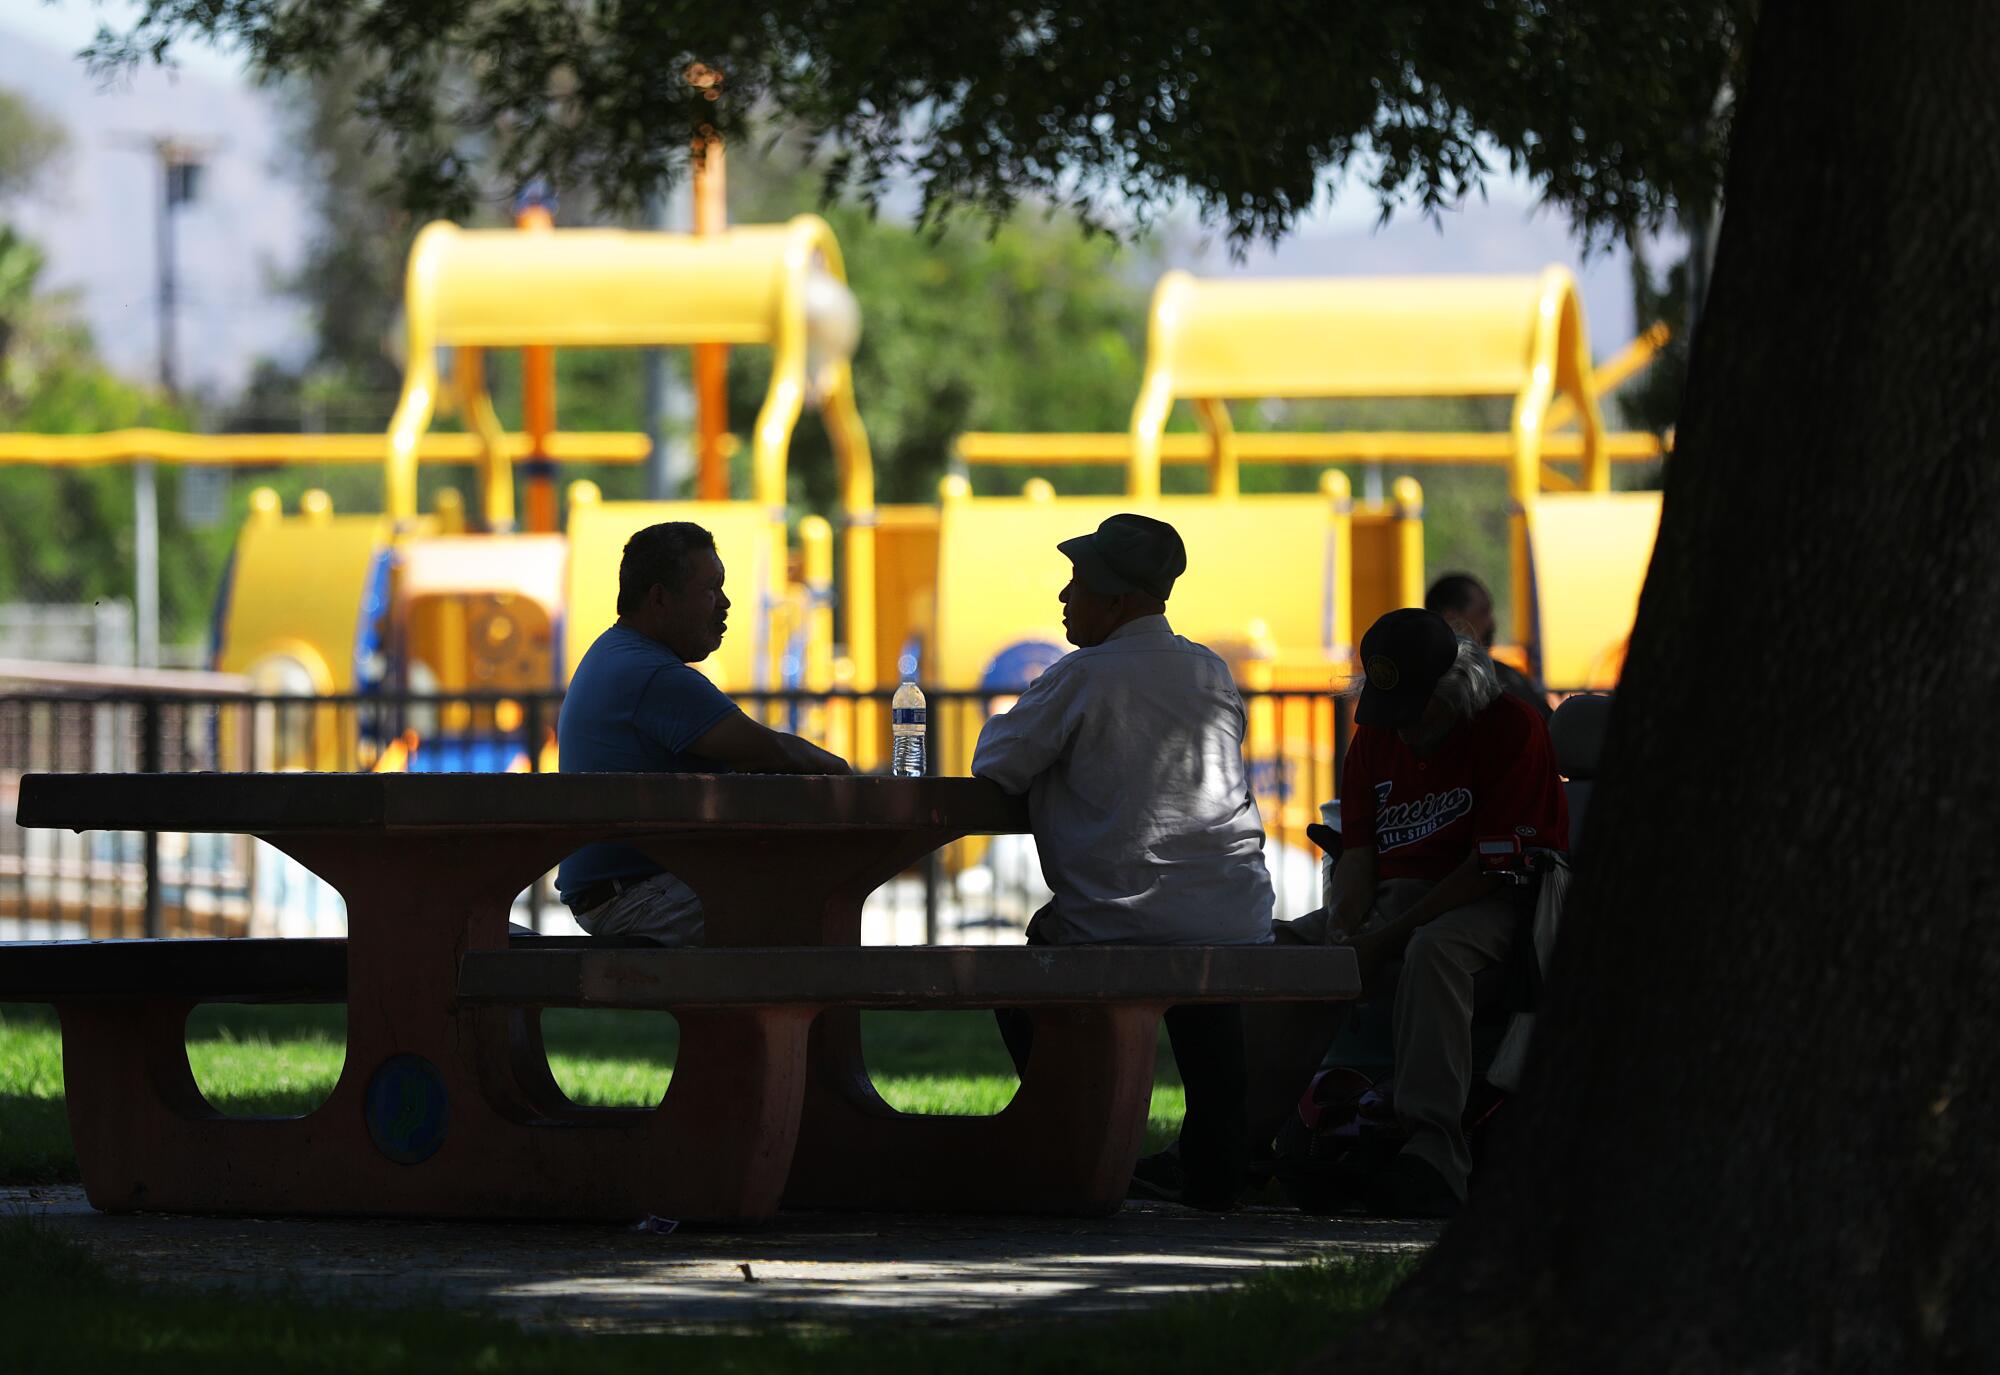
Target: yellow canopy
474, 289
1212, 341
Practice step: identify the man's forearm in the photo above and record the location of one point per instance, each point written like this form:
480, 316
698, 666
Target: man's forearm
802, 756
748, 746
1353, 890
1465, 884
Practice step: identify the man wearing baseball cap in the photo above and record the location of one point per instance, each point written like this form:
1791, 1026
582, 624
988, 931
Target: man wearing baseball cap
1440, 760
1130, 750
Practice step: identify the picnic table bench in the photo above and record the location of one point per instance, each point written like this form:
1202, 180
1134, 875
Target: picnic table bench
445, 1105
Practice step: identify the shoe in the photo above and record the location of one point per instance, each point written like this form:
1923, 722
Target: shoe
1208, 1201
1412, 1187
1159, 1177
1263, 1168
1347, 1184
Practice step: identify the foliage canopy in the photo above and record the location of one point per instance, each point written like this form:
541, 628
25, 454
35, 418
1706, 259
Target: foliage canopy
1619, 112
28, 142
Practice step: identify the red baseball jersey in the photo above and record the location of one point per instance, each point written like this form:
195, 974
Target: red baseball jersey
1494, 775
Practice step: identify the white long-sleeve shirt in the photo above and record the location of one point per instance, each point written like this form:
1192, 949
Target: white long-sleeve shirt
1131, 753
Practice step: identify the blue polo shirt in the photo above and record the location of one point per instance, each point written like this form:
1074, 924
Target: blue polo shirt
633, 707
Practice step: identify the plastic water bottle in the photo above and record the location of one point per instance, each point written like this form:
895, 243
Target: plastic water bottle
907, 723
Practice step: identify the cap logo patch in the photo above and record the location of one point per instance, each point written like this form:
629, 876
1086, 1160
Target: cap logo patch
1383, 675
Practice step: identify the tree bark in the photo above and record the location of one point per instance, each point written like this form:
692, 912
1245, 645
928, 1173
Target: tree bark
1758, 1131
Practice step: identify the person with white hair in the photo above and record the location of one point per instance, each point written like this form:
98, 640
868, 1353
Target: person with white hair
1440, 760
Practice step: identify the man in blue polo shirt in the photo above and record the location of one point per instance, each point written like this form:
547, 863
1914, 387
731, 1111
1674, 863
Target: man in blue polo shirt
637, 705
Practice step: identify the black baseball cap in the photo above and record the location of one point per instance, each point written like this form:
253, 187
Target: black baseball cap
1128, 553
1402, 657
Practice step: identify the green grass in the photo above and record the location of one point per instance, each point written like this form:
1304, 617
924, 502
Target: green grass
63, 1311
34, 1134
278, 1060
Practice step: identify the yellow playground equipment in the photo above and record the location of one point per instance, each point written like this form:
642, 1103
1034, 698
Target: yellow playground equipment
488, 600
479, 597
1284, 584
1302, 589
473, 290
416, 601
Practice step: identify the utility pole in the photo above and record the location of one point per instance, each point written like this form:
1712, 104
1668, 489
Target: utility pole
663, 395
146, 565
180, 182
181, 164
535, 213
711, 361
653, 388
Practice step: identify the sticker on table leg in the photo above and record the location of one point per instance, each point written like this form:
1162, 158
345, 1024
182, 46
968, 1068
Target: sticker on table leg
407, 1109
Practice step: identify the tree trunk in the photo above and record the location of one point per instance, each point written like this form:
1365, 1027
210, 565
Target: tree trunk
1759, 1132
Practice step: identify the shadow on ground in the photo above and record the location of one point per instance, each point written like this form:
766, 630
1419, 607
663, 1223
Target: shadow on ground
805, 1269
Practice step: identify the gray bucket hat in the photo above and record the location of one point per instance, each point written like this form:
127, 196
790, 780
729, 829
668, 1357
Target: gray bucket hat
1128, 553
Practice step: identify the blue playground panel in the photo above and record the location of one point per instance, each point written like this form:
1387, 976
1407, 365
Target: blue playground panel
467, 754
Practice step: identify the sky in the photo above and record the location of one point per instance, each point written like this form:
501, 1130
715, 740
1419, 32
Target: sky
96, 217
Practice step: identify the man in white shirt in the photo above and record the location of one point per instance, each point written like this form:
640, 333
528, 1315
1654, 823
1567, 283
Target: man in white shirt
1130, 750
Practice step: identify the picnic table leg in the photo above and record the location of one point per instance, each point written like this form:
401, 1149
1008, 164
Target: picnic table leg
441, 1110
1065, 1144
137, 1119
731, 1114
518, 1081
717, 1148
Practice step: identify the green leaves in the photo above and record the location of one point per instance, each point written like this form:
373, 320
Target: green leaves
27, 144
65, 533
20, 267
1620, 112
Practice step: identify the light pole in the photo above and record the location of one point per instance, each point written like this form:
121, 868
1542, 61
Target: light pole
663, 396
181, 164
653, 389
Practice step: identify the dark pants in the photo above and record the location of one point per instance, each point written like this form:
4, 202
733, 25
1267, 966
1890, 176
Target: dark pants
1209, 1050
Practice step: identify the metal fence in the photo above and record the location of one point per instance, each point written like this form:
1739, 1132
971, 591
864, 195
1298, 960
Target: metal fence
119, 883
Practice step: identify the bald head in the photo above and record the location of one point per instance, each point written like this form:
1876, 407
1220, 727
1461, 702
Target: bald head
1463, 601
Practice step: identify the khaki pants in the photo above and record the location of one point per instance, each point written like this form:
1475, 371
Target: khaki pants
660, 908
1433, 1012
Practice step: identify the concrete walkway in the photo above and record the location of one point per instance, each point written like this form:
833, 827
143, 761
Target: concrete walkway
807, 1268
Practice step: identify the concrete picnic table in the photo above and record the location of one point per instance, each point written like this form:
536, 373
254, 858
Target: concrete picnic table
445, 1105
441, 1109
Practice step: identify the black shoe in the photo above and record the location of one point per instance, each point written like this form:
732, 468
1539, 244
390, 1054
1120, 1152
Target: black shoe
1347, 1184
1208, 1202
1159, 1177
1164, 1178
1412, 1187
1263, 1168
